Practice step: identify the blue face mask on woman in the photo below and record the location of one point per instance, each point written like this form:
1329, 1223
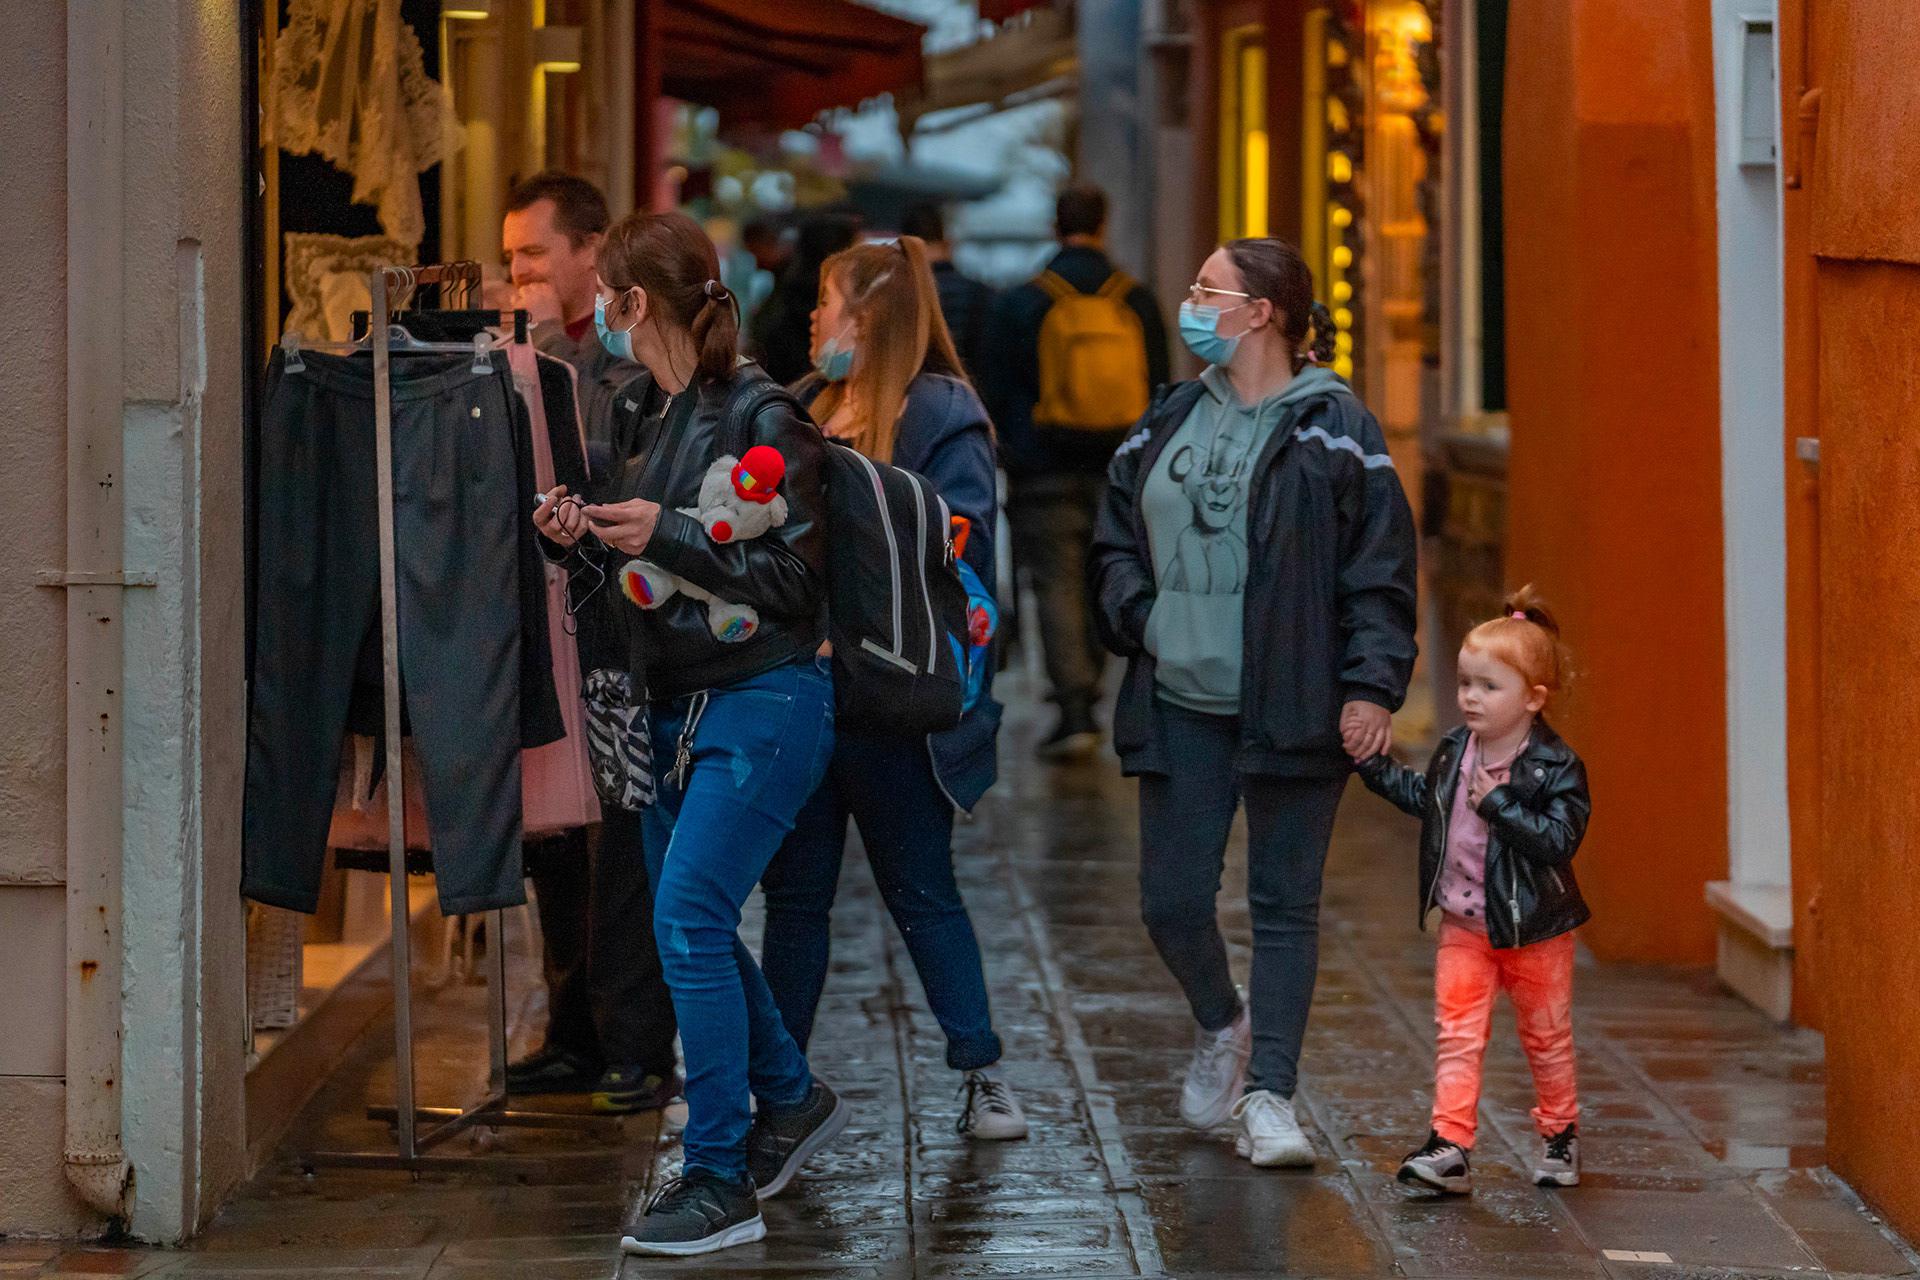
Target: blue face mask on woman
1199, 325
618, 342
835, 360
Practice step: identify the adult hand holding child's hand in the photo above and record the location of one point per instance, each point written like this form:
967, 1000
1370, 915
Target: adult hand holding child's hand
1366, 730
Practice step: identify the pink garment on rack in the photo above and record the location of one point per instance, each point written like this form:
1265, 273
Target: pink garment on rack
556, 781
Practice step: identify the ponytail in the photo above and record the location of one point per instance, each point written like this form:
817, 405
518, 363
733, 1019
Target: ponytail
1319, 333
716, 331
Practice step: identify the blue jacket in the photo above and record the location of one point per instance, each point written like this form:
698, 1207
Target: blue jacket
945, 436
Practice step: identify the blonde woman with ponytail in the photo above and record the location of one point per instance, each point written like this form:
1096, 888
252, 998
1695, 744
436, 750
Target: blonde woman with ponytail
742, 724
887, 382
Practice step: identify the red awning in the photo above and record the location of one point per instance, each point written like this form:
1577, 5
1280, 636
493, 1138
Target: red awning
1001, 10
780, 63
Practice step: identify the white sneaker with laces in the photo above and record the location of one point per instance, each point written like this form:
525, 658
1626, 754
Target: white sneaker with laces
992, 1113
1269, 1133
1217, 1073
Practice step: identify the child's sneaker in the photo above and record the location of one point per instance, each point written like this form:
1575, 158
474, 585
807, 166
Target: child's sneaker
1441, 1165
1559, 1162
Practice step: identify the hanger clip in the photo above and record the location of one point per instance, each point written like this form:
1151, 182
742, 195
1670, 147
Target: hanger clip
290, 343
483, 352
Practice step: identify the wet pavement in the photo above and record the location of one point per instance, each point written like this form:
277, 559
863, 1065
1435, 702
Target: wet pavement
1703, 1129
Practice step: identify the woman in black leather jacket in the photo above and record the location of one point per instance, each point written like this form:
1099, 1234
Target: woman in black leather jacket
742, 731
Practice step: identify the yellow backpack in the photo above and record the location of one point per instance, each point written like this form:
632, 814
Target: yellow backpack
1093, 357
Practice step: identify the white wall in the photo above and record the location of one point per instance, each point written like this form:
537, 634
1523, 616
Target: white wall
1753, 473
169, 270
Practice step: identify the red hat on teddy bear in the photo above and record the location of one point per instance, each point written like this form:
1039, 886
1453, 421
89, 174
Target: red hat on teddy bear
757, 477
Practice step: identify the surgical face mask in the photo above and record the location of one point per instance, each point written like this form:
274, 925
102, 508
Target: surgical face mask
618, 342
1199, 325
835, 360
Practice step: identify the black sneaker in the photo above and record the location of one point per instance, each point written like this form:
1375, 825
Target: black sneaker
1075, 738
698, 1212
621, 1091
553, 1070
778, 1144
1440, 1165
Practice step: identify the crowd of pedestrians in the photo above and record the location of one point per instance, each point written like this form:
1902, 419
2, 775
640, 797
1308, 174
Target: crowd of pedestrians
1240, 539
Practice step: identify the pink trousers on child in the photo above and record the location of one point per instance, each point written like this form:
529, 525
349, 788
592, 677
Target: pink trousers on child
1539, 979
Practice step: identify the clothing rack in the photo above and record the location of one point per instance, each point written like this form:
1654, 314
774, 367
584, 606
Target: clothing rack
391, 289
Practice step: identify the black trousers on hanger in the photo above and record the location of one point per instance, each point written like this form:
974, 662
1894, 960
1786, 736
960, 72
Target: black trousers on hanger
458, 505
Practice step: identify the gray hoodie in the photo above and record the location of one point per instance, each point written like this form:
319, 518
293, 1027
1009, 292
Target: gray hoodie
1195, 507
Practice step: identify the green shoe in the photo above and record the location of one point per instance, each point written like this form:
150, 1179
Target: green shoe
624, 1090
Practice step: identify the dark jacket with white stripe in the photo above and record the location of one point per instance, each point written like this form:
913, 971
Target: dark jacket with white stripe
1330, 596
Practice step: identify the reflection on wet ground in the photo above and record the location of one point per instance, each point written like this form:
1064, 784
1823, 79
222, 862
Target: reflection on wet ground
1703, 1134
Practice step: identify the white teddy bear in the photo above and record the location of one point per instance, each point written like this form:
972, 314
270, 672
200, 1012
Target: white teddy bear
739, 499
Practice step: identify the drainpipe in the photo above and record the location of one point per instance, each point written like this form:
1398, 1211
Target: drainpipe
95, 582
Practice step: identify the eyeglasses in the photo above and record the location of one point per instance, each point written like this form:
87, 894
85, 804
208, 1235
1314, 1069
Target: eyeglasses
1196, 293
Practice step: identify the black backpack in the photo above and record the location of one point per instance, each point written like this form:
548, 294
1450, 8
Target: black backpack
897, 610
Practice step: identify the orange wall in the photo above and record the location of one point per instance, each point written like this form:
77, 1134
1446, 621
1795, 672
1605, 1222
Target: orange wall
1870, 614
1853, 250
1614, 475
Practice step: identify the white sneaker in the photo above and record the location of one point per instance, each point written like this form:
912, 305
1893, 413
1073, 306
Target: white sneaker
992, 1113
1269, 1134
1217, 1073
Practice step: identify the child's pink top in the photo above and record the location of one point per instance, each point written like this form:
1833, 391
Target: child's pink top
1462, 892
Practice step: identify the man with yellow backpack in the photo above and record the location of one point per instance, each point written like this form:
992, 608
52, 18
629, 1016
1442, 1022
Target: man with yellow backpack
1073, 357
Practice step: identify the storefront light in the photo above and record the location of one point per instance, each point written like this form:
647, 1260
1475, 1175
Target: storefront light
1340, 166
557, 49
467, 10
1342, 217
1343, 257
1342, 292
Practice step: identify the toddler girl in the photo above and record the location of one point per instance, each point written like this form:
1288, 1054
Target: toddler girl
1502, 807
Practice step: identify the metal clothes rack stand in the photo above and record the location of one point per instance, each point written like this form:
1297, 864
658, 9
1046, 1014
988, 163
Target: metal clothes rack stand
392, 288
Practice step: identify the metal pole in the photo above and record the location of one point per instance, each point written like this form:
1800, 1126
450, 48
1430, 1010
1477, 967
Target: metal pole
390, 672
497, 1003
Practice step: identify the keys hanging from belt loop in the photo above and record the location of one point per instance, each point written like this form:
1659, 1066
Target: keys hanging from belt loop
683, 749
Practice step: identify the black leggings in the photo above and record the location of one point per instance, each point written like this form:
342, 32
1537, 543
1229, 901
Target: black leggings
1185, 818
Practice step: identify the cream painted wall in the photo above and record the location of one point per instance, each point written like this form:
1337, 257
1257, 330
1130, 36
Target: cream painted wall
180, 301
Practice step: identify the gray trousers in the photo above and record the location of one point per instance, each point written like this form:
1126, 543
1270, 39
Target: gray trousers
1052, 521
1185, 818
457, 506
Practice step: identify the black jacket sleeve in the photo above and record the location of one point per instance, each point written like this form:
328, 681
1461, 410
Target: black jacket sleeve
782, 573
1119, 570
1378, 578
1010, 371
1549, 831
1406, 789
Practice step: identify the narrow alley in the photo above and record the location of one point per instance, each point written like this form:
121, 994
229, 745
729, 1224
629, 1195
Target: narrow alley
1704, 1123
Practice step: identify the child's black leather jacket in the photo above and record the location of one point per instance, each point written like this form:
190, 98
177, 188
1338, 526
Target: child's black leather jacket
1535, 822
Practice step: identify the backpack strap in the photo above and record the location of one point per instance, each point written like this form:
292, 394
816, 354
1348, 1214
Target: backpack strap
1055, 287
744, 404
1117, 287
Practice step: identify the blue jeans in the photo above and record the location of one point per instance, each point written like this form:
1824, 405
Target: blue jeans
886, 785
760, 748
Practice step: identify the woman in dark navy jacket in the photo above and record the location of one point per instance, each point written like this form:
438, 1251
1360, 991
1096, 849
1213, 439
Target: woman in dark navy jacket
888, 383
